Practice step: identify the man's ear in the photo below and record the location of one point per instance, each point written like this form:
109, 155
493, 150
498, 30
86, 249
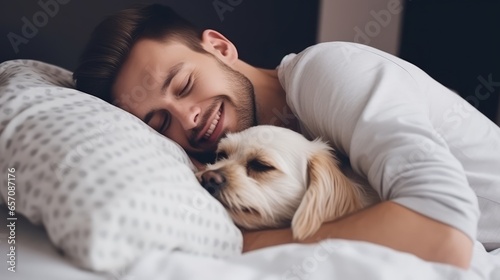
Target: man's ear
218, 45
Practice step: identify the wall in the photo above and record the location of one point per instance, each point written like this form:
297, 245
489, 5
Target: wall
455, 42
56, 31
375, 22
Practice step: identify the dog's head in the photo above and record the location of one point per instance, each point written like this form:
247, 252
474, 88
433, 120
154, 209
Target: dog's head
268, 176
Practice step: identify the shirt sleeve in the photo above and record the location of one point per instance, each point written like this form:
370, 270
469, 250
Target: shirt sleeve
374, 107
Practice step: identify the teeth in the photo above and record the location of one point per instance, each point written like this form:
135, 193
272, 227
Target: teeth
213, 125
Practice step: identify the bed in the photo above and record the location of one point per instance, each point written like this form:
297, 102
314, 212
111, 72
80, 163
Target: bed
333, 259
88, 191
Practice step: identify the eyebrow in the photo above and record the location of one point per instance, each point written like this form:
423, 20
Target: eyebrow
174, 70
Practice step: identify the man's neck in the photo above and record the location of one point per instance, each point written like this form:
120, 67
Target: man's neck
270, 97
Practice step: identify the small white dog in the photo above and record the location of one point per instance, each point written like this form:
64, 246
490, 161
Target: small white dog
269, 176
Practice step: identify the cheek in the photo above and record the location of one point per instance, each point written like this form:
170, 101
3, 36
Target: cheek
212, 82
286, 187
274, 196
230, 118
178, 135
237, 180
275, 189
283, 192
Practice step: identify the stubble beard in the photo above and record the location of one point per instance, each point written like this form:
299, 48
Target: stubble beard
243, 102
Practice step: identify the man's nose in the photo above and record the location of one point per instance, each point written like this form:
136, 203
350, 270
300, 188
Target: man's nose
212, 181
188, 115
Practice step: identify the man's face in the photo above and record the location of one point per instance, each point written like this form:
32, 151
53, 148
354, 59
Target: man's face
192, 98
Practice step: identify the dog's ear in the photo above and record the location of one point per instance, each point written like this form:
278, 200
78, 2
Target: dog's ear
329, 195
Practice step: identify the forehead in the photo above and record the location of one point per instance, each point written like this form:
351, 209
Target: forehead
147, 65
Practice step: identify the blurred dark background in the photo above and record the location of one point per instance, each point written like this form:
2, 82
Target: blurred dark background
264, 31
456, 42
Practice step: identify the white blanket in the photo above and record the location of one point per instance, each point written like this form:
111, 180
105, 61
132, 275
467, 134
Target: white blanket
332, 259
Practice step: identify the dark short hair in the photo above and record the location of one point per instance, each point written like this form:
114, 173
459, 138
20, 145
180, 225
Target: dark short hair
112, 40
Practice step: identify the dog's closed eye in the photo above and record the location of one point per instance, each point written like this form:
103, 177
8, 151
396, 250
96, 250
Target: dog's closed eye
287, 181
220, 155
257, 165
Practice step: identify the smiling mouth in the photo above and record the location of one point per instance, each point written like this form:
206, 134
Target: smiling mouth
212, 132
213, 125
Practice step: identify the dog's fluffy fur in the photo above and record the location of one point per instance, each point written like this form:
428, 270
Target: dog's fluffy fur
268, 177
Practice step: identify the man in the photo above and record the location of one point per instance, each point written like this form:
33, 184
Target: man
428, 153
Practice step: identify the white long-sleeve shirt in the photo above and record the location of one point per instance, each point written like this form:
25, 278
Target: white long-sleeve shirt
418, 143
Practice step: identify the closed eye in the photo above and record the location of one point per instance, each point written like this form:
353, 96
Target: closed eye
161, 117
220, 155
259, 166
166, 121
187, 87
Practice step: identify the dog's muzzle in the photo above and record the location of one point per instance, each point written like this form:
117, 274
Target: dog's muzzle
212, 181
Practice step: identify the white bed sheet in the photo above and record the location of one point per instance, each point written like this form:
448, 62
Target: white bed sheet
332, 259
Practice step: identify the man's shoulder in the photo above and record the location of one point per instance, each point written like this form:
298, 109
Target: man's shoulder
340, 50
335, 55
337, 46
313, 57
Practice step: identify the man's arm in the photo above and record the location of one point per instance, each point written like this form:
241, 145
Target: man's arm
388, 224
384, 113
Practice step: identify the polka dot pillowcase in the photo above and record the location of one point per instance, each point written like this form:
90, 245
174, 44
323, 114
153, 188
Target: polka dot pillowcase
106, 187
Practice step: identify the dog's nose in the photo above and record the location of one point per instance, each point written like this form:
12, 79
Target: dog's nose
213, 181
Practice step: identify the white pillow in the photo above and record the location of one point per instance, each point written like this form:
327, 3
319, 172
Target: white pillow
106, 186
